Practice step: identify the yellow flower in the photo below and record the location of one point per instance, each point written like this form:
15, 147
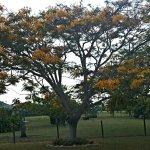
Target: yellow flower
136, 83
61, 13
121, 69
3, 75
134, 71
36, 24
129, 63
102, 16
49, 17
113, 84
45, 58
31, 39
146, 71
74, 23
38, 54
2, 50
61, 28
21, 12
117, 18
4, 27
50, 59
108, 84
2, 19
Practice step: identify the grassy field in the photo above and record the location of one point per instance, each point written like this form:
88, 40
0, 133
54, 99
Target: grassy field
121, 133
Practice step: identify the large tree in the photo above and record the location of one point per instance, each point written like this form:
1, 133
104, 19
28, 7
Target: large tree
71, 41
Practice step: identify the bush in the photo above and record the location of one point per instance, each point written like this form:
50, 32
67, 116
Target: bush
68, 142
7, 120
86, 118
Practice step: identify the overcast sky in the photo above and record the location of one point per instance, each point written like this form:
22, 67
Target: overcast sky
36, 5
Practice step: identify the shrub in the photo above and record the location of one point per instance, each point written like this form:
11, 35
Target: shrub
7, 120
86, 118
68, 142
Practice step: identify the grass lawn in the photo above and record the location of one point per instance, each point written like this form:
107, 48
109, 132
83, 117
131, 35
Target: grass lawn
123, 143
121, 133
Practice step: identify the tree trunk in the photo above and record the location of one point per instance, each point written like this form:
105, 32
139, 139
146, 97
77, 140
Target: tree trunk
23, 129
73, 129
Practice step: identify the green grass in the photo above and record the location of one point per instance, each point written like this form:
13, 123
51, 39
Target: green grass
113, 127
121, 133
105, 114
123, 143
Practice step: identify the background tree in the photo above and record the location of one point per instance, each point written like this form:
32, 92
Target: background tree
127, 82
52, 107
72, 41
6, 118
19, 109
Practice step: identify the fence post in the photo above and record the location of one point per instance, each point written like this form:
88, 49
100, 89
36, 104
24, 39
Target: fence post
13, 126
14, 136
144, 125
57, 125
102, 129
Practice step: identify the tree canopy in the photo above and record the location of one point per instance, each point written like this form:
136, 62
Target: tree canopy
73, 41
126, 82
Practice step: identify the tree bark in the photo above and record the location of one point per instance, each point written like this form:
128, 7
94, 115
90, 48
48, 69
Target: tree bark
73, 129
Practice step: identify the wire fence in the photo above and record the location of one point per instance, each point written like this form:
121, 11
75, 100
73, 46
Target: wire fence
39, 129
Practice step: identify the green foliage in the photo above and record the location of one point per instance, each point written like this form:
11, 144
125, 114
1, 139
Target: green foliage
50, 106
7, 121
68, 142
34, 109
91, 112
142, 108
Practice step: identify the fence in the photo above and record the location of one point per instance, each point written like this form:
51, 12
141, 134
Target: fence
40, 129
